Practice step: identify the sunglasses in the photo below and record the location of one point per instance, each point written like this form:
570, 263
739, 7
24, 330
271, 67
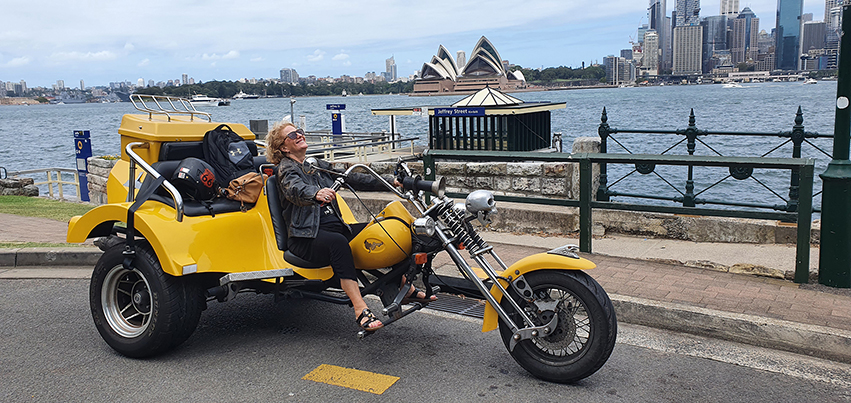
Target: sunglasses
295, 133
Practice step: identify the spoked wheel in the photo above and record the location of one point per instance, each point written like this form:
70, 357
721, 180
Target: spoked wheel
585, 335
140, 311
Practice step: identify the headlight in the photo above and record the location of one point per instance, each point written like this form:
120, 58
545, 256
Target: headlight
424, 226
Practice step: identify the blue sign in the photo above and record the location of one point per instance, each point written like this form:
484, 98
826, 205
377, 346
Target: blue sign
83, 148
335, 107
338, 123
459, 112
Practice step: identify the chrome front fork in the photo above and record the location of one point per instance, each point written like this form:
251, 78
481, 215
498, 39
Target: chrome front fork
529, 330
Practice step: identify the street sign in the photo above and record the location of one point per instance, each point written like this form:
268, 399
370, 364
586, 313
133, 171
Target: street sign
459, 111
335, 107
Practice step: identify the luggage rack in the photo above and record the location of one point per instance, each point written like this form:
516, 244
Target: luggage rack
166, 105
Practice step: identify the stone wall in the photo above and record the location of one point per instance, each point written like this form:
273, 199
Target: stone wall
558, 180
18, 187
98, 174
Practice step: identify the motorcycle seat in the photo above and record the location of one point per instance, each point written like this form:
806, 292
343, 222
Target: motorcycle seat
279, 225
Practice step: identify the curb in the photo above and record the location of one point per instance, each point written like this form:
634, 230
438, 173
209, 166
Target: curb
71, 256
819, 341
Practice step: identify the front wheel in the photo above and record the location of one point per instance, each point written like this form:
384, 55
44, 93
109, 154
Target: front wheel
141, 311
586, 331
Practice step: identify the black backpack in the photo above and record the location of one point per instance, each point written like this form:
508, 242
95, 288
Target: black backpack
228, 153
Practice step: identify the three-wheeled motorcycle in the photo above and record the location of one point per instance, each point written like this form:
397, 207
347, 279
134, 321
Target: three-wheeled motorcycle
166, 256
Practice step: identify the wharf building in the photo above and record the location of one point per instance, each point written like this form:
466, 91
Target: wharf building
485, 69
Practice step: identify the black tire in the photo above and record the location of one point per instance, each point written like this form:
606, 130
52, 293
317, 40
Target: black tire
586, 332
143, 311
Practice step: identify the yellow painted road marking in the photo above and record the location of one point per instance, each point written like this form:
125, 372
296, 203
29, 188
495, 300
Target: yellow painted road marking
351, 378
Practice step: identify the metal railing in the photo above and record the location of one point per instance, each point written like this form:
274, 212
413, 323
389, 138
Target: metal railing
166, 105
692, 137
58, 182
804, 168
359, 145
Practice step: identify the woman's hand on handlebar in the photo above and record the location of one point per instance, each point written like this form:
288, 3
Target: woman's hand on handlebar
325, 195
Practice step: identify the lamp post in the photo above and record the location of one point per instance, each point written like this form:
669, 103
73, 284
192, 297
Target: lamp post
835, 251
292, 116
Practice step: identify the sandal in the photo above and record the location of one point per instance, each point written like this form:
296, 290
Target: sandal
414, 297
370, 319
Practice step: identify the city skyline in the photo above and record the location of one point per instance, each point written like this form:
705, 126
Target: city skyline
91, 42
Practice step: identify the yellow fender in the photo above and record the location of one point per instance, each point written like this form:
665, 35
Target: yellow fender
538, 261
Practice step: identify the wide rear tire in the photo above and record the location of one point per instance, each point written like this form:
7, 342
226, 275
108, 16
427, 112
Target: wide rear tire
586, 332
142, 311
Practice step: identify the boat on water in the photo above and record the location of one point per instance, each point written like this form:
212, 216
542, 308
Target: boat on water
344, 93
65, 98
732, 85
810, 81
203, 100
242, 95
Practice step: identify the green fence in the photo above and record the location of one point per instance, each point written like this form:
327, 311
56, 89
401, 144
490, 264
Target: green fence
802, 167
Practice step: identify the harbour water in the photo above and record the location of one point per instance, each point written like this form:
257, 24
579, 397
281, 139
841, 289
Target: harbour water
41, 136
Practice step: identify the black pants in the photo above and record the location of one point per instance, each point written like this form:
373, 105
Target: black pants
331, 243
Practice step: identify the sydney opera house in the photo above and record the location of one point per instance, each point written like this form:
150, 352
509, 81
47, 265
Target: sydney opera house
484, 69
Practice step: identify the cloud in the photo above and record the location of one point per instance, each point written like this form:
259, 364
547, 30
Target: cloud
316, 56
129, 47
257, 59
144, 63
234, 54
18, 61
103, 55
347, 63
340, 56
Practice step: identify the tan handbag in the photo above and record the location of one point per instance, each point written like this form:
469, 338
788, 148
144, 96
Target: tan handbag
246, 188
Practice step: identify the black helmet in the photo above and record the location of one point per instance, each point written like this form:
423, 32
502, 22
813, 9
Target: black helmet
195, 178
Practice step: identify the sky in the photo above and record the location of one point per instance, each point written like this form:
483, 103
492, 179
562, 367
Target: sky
101, 41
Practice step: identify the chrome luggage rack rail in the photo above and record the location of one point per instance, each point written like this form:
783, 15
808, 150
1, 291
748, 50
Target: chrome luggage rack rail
166, 105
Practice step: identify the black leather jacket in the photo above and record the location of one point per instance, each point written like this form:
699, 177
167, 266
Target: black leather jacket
298, 190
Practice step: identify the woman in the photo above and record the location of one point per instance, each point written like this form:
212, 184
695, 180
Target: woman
315, 229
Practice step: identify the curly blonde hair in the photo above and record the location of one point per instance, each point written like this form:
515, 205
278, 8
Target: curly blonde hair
274, 140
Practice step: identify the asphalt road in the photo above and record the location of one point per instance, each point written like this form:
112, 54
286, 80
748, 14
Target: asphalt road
250, 349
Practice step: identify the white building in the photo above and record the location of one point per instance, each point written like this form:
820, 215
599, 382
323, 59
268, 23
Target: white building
730, 8
650, 58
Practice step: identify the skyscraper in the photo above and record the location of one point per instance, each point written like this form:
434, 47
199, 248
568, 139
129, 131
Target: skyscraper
714, 39
650, 59
744, 40
788, 34
730, 8
688, 41
390, 68
658, 21
289, 76
688, 13
833, 20
184, 79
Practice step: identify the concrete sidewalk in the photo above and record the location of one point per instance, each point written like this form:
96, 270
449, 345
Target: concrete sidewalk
652, 282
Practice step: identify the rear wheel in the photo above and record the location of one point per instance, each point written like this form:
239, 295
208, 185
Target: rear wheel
141, 311
585, 336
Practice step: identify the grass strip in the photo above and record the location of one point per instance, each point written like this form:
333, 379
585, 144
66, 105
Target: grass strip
41, 207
